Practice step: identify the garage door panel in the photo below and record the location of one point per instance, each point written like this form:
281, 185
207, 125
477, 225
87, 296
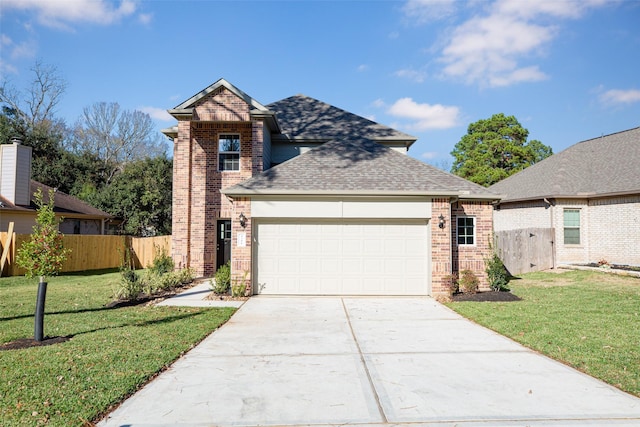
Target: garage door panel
342, 258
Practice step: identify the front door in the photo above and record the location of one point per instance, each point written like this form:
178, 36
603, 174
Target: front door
223, 249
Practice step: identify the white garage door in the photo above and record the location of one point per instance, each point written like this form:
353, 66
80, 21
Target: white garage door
343, 258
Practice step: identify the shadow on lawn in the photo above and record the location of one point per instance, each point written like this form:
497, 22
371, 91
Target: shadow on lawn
30, 342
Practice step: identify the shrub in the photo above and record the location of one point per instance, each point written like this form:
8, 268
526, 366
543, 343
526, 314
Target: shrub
222, 279
185, 275
450, 282
239, 287
497, 273
468, 282
130, 285
162, 262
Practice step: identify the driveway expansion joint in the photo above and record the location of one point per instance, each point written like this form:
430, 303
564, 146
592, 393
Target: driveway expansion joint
364, 364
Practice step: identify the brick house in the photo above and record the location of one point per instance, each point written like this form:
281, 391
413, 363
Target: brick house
305, 198
589, 194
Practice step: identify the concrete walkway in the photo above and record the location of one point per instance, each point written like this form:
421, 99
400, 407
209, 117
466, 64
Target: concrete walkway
197, 296
368, 362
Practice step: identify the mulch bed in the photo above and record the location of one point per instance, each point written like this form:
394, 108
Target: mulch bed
487, 297
30, 342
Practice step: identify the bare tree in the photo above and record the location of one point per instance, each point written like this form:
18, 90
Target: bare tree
44, 94
116, 136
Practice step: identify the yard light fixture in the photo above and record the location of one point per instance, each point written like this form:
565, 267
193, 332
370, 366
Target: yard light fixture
243, 220
441, 221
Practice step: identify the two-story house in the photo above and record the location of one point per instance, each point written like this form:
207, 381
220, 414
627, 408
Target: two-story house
306, 198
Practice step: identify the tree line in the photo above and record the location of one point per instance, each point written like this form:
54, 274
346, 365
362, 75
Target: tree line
111, 158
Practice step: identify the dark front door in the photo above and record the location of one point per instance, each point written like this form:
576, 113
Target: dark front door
223, 249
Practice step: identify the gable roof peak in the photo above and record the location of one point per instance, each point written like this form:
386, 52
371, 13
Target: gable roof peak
189, 103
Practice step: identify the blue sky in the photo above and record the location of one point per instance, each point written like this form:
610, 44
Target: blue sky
567, 70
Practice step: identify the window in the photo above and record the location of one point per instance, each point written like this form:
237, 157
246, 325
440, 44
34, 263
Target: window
572, 226
466, 230
229, 152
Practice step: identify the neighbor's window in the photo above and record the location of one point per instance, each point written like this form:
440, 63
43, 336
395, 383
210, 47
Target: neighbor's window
572, 226
466, 230
229, 152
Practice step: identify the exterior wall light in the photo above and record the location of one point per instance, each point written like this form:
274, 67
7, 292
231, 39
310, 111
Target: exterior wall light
243, 220
441, 221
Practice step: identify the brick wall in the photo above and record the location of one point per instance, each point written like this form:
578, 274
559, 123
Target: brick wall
440, 246
472, 257
197, 201
241, 266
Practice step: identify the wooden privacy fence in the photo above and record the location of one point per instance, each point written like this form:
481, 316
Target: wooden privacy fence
526, 249
90, 252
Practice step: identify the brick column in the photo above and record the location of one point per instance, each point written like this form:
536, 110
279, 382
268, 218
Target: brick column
440, 246
241, 267
180, 219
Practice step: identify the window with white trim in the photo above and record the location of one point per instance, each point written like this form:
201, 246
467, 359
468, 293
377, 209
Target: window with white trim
571, 222
466, 230
229, 152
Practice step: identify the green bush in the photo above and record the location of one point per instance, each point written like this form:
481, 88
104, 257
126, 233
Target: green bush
162, 262
468, 282
186, 275
222, 279
497, 273
130, 285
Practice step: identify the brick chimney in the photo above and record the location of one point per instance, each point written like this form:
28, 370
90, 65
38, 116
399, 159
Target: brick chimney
15, 172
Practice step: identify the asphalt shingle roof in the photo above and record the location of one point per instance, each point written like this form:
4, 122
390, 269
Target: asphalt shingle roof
596, 167
303, 117
63, 203
357, 166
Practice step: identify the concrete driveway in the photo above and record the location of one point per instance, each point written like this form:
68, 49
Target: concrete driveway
368, 362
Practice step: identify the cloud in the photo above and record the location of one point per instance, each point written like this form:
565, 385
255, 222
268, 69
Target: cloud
363, 67
429, 155
425, 116
157, 113
488, 49
25, 49
423, 11
413, 75
378, 103
619, 96
59, 14
145, 18
6, 68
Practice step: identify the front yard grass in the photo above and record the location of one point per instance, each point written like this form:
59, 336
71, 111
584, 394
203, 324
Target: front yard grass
112, 352
585, 319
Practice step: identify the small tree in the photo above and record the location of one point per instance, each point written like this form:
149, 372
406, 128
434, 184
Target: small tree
44, 254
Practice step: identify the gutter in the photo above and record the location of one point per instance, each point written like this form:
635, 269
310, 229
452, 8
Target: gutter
364, 193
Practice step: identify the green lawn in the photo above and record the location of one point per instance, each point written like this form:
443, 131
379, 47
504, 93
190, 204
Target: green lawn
112, 352
588, 320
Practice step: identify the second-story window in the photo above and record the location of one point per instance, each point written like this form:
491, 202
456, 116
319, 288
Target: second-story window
229, 152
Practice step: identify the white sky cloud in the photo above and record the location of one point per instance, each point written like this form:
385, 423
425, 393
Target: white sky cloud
429, 155
58, 14
145, 18
363, 67
619, 96
425, 116
413, 75
492, 46
428, 10
157, 113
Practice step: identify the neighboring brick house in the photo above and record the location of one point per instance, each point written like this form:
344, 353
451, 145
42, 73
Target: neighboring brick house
306, 198
17, 203
589, 193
